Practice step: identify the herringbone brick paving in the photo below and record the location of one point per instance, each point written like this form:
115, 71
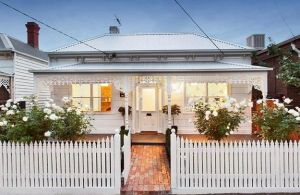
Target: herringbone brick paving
149, 170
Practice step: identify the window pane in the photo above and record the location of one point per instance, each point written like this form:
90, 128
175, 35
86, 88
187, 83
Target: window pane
81, 90
106, 95
83, 103
217, 89
195, 89
148, 103
177, 96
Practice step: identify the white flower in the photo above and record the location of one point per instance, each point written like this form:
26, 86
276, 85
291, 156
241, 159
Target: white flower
66, 99
298, 118
47, 111
259, 101
208, 112
10, 112
69, 109
47, 134
297, 108
280, 105
12, 125
9, 101
78, 112
14, 106
25, 118
47, 105
292, 111
4, 109
53, 117
207, 117
286, 109
215, 113
1, 124
287, 100
4, 122
7, 105
296, 114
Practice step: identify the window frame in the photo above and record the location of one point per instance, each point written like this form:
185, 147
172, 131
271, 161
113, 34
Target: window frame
91, 98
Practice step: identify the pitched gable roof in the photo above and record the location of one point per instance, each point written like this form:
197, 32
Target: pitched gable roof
151, 42
10, 43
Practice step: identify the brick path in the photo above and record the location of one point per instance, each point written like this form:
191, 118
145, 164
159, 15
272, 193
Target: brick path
149, 170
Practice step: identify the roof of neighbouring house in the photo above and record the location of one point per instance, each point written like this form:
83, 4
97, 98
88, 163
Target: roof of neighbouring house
151, 42
157, 67
8, 43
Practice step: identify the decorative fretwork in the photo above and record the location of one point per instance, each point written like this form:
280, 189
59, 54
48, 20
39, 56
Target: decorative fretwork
4, 82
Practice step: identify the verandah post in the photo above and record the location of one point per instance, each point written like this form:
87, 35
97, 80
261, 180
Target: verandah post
169, 93
117, 163
126, 103
173, 156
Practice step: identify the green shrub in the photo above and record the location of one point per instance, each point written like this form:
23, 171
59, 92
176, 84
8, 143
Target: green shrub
219, 118
277, 122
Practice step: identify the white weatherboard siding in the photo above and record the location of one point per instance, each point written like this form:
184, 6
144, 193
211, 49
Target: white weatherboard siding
23, 79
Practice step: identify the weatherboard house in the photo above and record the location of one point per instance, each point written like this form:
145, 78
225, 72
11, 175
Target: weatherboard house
146, 72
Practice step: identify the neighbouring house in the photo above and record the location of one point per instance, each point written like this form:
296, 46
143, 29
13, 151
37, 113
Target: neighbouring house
16, 58
146, 72
276, 88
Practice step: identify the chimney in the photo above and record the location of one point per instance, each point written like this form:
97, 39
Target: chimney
257, 41
33, 34
114, 30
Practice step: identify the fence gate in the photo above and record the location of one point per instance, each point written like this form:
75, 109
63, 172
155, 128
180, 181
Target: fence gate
234, 167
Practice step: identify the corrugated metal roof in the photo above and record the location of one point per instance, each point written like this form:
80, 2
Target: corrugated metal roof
151, 42
22, 47
153, 67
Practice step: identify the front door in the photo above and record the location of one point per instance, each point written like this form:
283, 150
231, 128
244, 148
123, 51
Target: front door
148, 108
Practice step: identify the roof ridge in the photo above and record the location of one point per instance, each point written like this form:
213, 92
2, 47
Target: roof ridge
151, 33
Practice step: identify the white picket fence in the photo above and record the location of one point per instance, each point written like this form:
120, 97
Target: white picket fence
84, 167
234, 167
126, 149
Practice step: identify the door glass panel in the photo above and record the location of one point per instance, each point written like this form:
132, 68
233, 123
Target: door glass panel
148, 103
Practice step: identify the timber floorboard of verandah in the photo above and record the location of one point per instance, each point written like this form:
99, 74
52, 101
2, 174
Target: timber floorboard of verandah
150, 172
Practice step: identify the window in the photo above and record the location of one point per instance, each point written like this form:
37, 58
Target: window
95, 97
186, 94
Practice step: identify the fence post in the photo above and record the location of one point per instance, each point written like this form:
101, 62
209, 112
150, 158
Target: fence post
173, 159
117, 163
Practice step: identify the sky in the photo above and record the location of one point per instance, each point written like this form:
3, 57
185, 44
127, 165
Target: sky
229, 20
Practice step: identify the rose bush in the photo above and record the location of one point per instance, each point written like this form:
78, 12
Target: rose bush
40, 122
219, 118
277, 122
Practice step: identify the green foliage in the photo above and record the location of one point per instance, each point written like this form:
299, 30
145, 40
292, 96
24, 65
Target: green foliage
122, 110
276, 123
39, 122
290, 71
175, 110
219, 118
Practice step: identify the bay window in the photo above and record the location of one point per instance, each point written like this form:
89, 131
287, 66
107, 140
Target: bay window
92, 97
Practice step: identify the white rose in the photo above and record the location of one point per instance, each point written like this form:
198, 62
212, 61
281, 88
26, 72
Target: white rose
1, 124
4, 122
47, 111
259, 101
286, 109
208, 112
4, 109
297, 108
69, 109
47, 134
12, 125
296, 114
207, 117
215, 113
10, 112
287, 100
78, 112
25, 118
53, 117
14, 107
47, 105
298, 118
280, 105
7, 105
291, 111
